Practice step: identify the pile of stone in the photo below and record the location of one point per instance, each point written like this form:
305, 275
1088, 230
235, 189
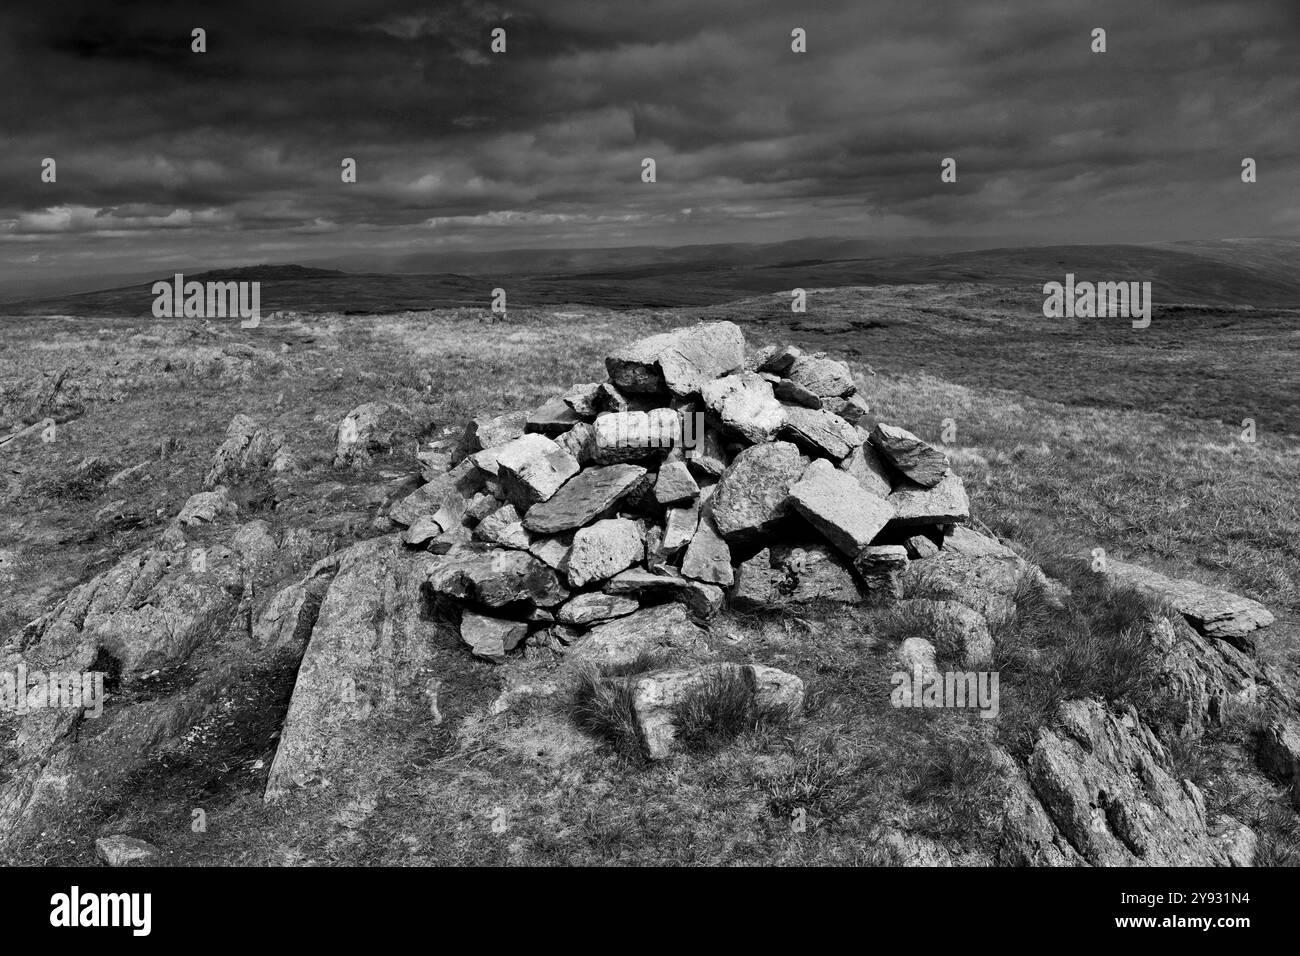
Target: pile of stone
699, 472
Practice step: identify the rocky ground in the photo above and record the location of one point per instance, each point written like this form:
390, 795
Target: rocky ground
390, 590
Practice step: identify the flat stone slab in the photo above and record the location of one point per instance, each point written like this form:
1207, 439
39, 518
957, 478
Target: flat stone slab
945, 503
867, 465
604, 548
703, 599
495, 577
823, 377
583, 498
1211, 611
594, 607
833, 502
707, 557
821, 432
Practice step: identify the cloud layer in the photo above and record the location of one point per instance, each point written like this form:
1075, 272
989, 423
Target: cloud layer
167, 157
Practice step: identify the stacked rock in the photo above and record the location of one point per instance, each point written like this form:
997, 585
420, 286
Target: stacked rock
697, 472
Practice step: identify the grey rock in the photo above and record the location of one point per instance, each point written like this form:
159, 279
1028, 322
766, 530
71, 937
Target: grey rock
919, 547
821, 432
585, 497
795, 394
369, 429
120, 850
553, 417
679, 526
781, 360
960, 632
835, 504
745, 404
504, 527
1211, 611
494, 577
868, 467
822, 376
682, 360
751, 498
593, 607
663, 628
532, 468
914, 458
491, 638
944, 503
675, 484
602, 549
490, 431
703, 599
707, 556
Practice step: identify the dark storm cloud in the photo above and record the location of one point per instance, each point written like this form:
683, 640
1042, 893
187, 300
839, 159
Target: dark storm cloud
234, 154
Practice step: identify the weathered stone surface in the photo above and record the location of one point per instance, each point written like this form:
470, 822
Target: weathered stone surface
656, 696
781, 360
707, 556
369, 429
944, 503
552, 551
495, 577
120, 850
490, 431
675, 484
679, 526
881, 567
702, 444
794, 393
853, 409
247, 447
583, 498
584, 399
757, 583
1279, 753
422, 531
1211, 611
665, 627
985, 582
835, 504
813, 572
820, 432
638, 433
868, 468
1107, 783
532, 468
206, 506
593, 607
551, 418
505, 527
751, 498
370, 651
822, 376
682, 360
745, 404
423, 501
966, 541
915, 459
960, 633
703, 599
602, 549
919, 546
491, 638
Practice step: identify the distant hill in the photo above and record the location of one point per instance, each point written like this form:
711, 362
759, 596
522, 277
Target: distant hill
1258, 273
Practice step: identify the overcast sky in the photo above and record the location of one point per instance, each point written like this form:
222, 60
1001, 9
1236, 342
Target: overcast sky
171, 159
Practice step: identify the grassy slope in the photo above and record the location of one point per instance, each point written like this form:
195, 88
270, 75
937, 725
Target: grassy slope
1055, 453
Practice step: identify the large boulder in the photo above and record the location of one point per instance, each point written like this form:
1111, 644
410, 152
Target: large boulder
1211, 611
683, 360
370, 429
